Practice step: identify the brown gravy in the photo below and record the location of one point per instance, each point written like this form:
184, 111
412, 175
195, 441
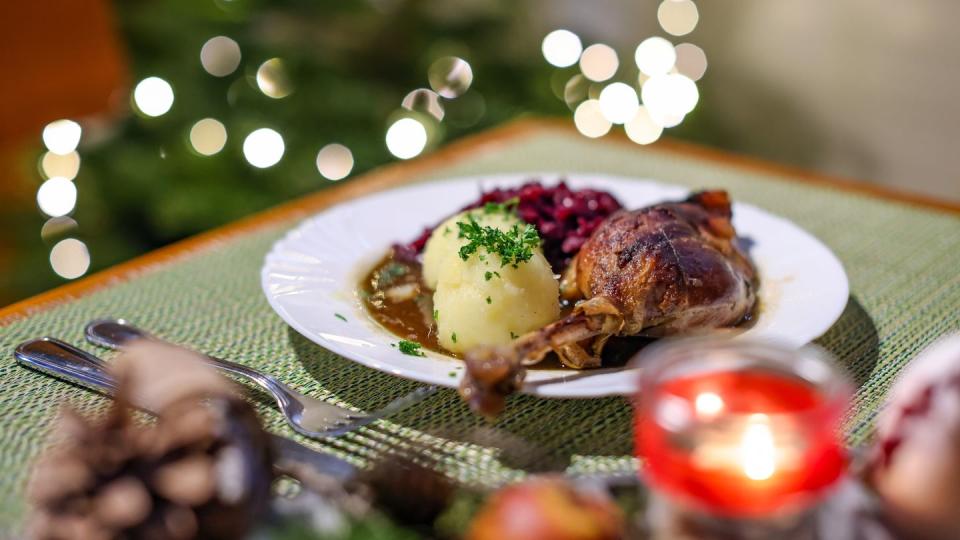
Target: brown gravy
408, 315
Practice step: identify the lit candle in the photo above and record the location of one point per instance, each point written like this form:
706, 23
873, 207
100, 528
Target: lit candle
740, 430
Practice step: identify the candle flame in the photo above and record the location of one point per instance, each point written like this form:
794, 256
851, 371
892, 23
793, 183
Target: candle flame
757, 450
708, 404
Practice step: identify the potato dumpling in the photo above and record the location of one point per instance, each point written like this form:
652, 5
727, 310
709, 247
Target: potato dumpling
445, 242
478, 302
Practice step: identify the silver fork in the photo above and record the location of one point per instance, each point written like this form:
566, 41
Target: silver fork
306, 415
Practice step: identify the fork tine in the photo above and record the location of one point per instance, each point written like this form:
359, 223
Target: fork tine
359, 435
355, 421
511, 451
375, 443
429, 454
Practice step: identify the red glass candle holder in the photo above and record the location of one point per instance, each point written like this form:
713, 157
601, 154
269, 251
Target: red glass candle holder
740, 430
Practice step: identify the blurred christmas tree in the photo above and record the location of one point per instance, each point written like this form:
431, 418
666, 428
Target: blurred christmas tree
238, 105
315, 72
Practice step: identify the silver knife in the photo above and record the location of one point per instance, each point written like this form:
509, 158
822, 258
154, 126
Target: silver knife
64, 361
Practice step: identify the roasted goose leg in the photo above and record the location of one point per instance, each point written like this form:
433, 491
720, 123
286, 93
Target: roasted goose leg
662, 270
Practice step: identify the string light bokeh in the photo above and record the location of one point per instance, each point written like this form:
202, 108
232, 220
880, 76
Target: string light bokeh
406, 138
62, 136
618, 102
599, 85
691, 61
70, 258
57, 196
590, 120
208, 136
562, 48
659, 96
63, 165
425, 101
272, 79
450, 79
599, 62
153, 96
334, 161
450, 76
263, 148
678, 17
220, 56
409, 133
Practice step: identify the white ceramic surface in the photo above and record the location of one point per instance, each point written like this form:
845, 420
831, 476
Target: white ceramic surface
312, 273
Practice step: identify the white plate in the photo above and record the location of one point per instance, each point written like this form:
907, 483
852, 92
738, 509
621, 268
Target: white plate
312, 274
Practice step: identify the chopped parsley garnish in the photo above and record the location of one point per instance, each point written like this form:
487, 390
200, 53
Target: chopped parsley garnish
446, 231
453, 337
489, 301
513, 336
506, 207
436, 314
411, 348
514, 246
488, 275
452, 374
341, 317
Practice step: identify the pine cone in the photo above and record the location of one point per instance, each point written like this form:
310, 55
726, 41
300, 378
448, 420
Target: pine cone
202, 471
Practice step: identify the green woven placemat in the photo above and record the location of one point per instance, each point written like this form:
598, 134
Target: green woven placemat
905, 292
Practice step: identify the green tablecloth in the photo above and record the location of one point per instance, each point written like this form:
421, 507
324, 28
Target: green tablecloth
903, 263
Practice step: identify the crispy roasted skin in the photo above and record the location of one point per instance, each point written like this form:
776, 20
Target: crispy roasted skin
662, 270
670, 268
